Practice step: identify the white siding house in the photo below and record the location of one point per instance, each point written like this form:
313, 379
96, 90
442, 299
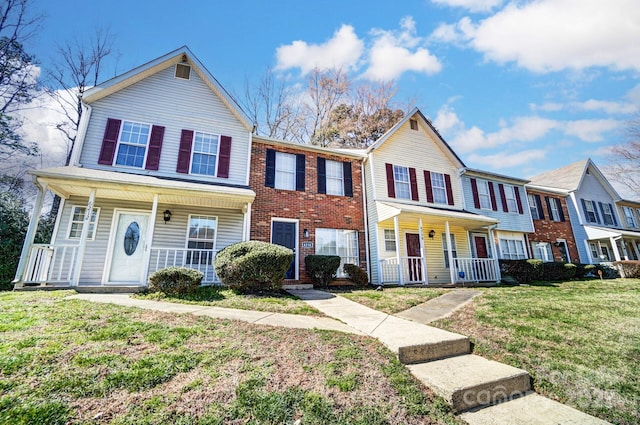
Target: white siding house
158, 177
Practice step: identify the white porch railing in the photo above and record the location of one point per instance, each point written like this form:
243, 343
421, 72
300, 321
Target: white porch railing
476, 270
50, 264
197, 259
413, 270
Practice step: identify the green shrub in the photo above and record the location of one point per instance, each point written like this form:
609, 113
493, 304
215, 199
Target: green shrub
253, 266
585, 270
522, 271
558, 271
608, 270
175, 280
322, 268
628, 268
356, 275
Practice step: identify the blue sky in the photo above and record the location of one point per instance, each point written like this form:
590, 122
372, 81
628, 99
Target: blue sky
515, 87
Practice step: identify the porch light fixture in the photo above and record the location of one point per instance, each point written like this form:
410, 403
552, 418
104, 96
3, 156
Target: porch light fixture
166, 215
305, 232
432, 233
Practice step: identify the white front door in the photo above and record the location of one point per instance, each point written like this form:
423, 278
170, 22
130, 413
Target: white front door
128, 245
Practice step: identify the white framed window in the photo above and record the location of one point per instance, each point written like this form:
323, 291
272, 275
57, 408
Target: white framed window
439, 188
512, 249
335, 177
554, 205
401, 181
340, 242
542, 251
607, 214
590, 211
445, 248
533, 207
510, 197
132, 144
77, 221
595, 255
629, 219
205, 153
389, 240
201, 239
285, 171
484, 195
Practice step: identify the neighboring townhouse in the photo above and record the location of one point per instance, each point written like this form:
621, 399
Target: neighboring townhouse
419, 231
309, 199
502, 198
159, 177
552, 239
629, 212
597, 227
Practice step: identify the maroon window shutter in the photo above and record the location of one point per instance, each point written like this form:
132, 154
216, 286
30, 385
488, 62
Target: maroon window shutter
447, 183
225, 157
474, 191
492, 194
184, 152
391, 187
518, 200
155, 146
109, 142
414, 184
427, 183
505, 207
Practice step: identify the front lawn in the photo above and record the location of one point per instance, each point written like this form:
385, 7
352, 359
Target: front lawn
220, 296
390, 300
579, 340
66, 361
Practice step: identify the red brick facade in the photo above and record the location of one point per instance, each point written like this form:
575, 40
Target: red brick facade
547, 230
312, 209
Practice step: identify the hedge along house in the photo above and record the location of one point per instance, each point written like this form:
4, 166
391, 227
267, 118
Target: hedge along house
159, 177
503, 198
600, 234
309, 199
419, 231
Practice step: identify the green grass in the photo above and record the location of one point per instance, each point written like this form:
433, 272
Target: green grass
579, 340
391, 300
66, 361
218, 296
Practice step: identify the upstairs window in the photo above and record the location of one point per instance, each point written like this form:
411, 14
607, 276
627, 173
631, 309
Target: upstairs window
205, 154
335, 178
285, 171
439, 188
554, 208
590, 213
484, 195
629, 219
401, 179
533, 208
607, 214
510, 198
132, 144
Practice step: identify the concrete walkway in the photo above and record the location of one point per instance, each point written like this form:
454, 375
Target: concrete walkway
482, 391
440, 307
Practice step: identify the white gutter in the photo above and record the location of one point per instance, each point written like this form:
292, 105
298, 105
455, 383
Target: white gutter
366, 220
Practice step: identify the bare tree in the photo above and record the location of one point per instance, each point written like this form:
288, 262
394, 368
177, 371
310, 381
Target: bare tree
79, 67
18, 73
624, 159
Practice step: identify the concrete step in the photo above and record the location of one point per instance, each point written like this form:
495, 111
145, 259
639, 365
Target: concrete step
531, 409
296, 286
469, 381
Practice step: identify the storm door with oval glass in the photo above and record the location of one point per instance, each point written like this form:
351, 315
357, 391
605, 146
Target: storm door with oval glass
128, 246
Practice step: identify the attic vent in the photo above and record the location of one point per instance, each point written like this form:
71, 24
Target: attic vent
414, 124
183, 71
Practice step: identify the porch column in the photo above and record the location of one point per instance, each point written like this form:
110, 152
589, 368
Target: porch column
150, 229
423, 257
31, 232
452, 266
396, 231
83, 238
246, 223
634, 244
494, 253
614, 247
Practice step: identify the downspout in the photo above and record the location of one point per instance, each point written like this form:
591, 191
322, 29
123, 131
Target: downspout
81, 135
366, 220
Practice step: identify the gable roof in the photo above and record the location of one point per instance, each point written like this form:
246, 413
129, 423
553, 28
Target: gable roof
570, 177
179, 55
415, 111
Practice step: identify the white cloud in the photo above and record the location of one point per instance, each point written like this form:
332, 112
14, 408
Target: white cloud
507, 160
606, 106
471, 5
342, 51
395, 52
554, 35
590, 130
459, 33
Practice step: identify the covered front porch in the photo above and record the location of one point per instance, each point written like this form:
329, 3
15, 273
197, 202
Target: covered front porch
606, 245
425, 245
114, 229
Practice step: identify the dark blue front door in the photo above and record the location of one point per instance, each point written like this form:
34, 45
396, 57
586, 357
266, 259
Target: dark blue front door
284, 233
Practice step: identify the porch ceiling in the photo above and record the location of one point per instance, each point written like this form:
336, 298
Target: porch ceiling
594, 232
405, 212
76, 181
